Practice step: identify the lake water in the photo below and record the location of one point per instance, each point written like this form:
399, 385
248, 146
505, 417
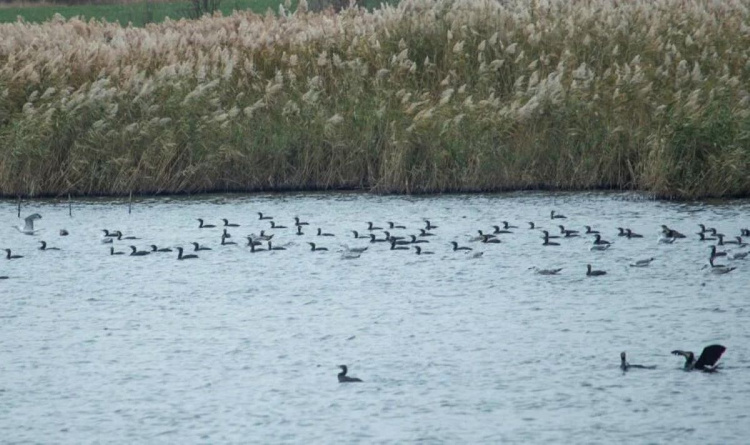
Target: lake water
236, 347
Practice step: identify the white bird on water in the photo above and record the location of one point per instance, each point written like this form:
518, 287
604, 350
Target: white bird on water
28, 228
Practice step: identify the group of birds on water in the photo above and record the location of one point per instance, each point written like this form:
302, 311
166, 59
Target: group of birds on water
707, 362
392, 235
373, 234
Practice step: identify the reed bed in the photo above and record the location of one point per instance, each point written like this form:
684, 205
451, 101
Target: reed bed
426, 96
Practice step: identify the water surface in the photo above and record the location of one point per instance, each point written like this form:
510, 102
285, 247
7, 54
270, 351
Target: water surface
241, 347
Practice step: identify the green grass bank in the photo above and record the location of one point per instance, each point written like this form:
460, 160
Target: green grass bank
427, 96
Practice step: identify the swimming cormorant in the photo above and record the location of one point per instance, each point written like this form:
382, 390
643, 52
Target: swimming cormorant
343, 378
120, 237
321, 233
224, 241
455, 247
377, 240
419, 251
199, 247
624, 365
552, 215
532, 225
274, 226
428, 225
156, 249
44, 246
358, 236
299, 230
568, 233
414, 240
499, 231
180, 256
706, 362
8, 256
264, 217
394, 246
316, 249
598, 239
270, 247
135, 252
589, 231
631, 234
715, 253
112, 252
297, 222
64, 232
703, 237
423, 232
371, 227
507, 226
204, 226
392, 225
226, 223
490, 239
594, 273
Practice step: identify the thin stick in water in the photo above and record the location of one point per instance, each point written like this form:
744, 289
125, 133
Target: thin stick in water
70, 206
19, 206
130, 203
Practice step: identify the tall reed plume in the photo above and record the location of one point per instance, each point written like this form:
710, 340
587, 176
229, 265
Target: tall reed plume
426, 96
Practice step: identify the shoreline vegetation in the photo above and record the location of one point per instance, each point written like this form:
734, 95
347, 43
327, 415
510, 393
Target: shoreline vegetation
428, 96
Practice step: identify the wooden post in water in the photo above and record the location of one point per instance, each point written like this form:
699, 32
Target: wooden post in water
70, 207
19, 206
130, 203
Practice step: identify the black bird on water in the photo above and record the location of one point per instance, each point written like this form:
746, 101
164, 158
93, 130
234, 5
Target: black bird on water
313, 248
624, 365
227, 224
706, 362
204, 226
264, 217
136, 252
44, 246
553, 215
455, 247
343, 378
274, 226
181, 257
12, 257
199, 247
594, 273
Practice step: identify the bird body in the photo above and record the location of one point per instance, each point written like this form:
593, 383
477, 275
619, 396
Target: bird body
28, 227
181, 257
624, 365
343, 378
707, 360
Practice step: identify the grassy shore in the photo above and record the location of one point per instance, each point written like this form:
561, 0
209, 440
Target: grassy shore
427, 96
